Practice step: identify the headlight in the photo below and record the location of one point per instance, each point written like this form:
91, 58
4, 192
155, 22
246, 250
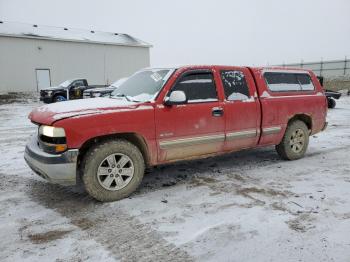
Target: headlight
48, 93
51, 131
52, 139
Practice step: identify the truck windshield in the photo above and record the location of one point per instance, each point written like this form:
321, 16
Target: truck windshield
66, 83
117, 83
143, 86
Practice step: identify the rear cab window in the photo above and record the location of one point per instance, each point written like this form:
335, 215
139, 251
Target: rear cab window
199, 87
235, 85
288, 82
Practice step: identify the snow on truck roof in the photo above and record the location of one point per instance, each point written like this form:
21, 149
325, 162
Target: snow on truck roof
263, 69
23, 30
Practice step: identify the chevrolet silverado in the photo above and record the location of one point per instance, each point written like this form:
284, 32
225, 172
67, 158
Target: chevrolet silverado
162, 115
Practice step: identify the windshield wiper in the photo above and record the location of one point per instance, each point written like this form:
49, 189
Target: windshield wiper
129, 98
122, 95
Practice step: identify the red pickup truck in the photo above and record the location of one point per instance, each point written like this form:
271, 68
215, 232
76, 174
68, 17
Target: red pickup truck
161, 115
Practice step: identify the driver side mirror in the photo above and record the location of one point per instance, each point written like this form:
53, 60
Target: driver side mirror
176, 98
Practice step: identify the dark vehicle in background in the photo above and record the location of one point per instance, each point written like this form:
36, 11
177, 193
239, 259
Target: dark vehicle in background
68, 90
331, 95
101, 92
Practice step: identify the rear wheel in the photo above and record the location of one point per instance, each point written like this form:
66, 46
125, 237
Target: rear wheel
331, 103
113, 170
295, 141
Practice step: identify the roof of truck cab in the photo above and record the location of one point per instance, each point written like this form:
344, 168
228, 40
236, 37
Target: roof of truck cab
256, 69
216, 66
33, 31
280, 69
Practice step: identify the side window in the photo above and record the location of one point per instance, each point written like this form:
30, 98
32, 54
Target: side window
280, 82
78, 83
235, 85
198, 87
305, 82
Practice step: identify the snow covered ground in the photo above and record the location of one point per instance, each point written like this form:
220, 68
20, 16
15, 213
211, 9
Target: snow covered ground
246, 206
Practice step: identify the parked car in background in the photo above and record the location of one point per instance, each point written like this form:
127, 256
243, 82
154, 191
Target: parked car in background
158, 116
100, 92
330, 94
68, 90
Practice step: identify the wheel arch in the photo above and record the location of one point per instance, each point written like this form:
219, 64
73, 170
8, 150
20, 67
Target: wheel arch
304, 118
59, 94
133, 138
284, 148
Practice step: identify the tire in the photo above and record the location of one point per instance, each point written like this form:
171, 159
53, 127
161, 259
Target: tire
59, 98
295, 141
107, 183
331, 103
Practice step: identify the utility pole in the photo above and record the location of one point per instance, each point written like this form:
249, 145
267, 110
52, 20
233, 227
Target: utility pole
345, 64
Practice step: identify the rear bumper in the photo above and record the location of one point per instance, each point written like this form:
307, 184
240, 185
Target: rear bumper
58, 169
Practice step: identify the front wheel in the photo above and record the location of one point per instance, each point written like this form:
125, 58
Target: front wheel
113, 170
295, 141
59, 98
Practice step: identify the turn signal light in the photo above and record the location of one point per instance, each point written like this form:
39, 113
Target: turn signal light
60, 148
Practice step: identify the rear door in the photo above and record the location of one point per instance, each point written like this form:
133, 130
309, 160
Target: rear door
242, 109
196, 127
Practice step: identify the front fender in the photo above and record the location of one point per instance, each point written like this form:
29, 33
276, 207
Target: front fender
140, 121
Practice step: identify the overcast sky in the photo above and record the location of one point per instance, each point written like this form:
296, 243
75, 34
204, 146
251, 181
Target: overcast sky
255, 32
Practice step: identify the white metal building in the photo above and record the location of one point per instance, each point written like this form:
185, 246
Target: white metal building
34, 56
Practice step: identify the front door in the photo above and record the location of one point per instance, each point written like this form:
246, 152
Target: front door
43, 78
75, 90
195, 128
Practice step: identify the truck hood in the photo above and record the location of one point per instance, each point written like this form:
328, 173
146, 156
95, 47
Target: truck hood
48, 114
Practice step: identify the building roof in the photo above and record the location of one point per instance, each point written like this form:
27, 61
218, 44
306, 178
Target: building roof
14, 29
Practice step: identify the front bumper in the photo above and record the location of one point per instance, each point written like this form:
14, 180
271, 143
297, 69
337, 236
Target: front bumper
46, 99
58, 169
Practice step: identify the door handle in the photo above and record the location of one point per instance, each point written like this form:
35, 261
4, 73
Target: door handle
217, 111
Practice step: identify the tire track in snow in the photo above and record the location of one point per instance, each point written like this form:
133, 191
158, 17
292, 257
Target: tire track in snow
121, 234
